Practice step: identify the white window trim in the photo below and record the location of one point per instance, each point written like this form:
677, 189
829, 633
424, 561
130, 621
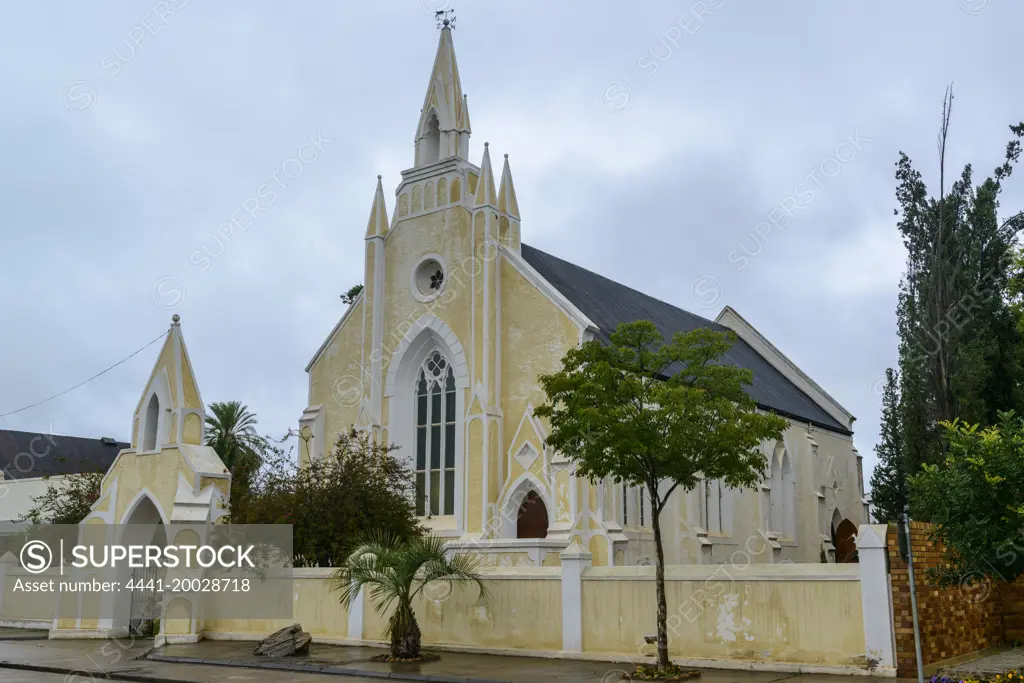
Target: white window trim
433, 334
414, 287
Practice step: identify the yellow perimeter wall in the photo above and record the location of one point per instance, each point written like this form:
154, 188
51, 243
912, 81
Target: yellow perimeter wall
787, 614
795, 614
808, 614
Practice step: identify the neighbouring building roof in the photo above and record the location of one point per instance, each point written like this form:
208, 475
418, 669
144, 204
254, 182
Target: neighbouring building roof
608, 303
24, 455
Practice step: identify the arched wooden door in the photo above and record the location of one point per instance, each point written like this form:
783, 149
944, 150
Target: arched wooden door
532, 521
845, 541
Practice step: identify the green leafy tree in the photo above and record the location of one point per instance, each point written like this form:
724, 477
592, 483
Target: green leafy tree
353, 292
67, 500
889, 495
394, 571
960, 338
231, 431
658, 415
332, 501
975, 497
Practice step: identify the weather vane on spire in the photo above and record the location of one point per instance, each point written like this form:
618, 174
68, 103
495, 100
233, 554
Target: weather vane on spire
445, 18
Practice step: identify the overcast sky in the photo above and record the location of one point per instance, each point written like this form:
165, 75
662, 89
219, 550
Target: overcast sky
657, 143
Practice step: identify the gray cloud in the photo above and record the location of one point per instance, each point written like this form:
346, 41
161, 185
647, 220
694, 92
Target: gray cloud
133, 134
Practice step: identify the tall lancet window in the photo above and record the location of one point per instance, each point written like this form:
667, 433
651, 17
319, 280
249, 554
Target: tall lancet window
435, 437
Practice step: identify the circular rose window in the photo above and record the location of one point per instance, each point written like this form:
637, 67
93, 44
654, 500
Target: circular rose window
428, 278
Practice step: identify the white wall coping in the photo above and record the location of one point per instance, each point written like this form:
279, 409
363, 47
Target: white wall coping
725, 572
491, 545
489, 572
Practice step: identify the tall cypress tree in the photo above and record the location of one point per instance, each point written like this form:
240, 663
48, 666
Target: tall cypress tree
959, 354
889, 480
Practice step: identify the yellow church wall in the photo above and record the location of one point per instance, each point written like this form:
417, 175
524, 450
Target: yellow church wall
193, 432
598, 548
494, 465
335, 377
785, 618
192, 399
157, 473
475, 475
535, 336
441, 232
479, 230
164, 362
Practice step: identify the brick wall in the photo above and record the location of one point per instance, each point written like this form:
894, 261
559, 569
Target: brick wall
954, 621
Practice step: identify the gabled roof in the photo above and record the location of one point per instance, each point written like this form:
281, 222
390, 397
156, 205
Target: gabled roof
608, 303
25, 455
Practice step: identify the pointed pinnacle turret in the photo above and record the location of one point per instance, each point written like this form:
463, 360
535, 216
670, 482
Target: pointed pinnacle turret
377, 226
465, 113
507, 201
485, 193
443, 129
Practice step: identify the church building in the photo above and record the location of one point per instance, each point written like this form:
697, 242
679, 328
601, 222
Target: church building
440, 353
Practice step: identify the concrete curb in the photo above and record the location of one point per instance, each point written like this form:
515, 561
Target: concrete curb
93, 675
8, 639
330, 670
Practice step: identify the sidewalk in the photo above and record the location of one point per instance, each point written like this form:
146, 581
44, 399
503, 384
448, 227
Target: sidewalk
454, 666
219, 662
83, 661
990, 665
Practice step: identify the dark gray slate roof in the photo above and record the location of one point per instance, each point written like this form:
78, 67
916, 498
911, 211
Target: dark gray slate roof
608, 303
24, 455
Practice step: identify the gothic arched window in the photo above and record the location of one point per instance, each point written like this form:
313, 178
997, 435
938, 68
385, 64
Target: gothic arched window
435, 437
431, 141
149, 433
716, 507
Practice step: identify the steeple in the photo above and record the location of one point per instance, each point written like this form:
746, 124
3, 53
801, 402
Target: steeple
170, 410
507, 202
443, 129
377, 226
485, 194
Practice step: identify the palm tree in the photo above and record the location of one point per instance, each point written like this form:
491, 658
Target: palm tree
231, 431
395, 572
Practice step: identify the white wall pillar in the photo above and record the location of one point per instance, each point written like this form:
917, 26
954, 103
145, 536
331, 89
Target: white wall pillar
872, 552
355, 616
6, 562
575, 560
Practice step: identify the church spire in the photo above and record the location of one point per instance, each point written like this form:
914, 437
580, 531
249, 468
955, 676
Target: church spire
507, 202
443, 129
377, 226
485, 194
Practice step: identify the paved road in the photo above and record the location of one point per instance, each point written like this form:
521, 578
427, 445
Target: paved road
186, 674
29, 677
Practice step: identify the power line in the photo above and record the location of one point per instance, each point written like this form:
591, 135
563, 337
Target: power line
39, 403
